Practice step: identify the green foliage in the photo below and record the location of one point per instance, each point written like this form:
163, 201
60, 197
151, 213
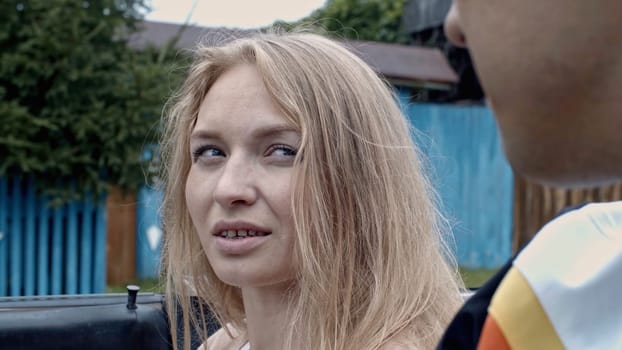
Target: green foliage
375, 20
77, 104
475, 278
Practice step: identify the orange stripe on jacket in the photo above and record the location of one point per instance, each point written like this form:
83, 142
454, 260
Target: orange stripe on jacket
491, 337
520, 316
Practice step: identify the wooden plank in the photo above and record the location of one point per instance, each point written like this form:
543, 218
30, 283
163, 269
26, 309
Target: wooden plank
4, 259
121, 249
29, 240
99, 247
148, 223
57, 250
534, 211
86, 246
15, 238
43, 248
71, 249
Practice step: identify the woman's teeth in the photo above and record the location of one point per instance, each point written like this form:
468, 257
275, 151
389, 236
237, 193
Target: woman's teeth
241, 233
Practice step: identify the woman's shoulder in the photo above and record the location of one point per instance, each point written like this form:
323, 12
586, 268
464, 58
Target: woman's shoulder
222, 340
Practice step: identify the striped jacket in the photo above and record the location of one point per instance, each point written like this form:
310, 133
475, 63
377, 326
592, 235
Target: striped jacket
562, 291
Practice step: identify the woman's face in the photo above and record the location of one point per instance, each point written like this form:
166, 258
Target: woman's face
238, 189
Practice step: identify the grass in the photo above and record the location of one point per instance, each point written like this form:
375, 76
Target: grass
473, 278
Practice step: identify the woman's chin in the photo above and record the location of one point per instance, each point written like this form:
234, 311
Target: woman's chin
254, 278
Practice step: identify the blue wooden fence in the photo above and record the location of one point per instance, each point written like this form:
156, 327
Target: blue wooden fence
472, 176
50, 250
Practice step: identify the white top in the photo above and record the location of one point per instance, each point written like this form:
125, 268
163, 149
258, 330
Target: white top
574, 265
246, 346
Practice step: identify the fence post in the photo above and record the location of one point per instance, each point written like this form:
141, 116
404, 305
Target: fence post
3, 236
29, 242
86, 245
15, 238
149, 233
43, 251
121, 250
71, 249
100, 246
57, 250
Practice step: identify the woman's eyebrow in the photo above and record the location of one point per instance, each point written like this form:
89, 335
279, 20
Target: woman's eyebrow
274, 130
260, 132
203, 134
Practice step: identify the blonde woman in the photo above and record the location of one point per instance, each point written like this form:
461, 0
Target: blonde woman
296, 208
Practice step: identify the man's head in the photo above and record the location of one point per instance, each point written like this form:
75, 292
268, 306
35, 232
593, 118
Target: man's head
552, 72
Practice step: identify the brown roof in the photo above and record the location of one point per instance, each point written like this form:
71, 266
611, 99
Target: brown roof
406, 63
402, 64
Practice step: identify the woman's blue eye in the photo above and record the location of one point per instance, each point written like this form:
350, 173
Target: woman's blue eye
207, 152
282, 151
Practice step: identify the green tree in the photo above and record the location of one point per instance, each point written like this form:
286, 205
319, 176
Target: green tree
77, 104
375, 20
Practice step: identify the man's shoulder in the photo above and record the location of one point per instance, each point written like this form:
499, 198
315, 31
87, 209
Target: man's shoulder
575, 233
566, 284
571, 269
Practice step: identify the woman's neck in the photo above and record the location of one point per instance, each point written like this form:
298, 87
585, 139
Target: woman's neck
266, 316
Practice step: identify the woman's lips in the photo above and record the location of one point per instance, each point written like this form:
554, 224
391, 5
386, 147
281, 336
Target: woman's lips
239, 237
240, 245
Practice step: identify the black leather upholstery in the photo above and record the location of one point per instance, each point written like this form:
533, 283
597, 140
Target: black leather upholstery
83, 323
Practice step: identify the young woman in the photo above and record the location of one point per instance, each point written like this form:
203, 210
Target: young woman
296, 208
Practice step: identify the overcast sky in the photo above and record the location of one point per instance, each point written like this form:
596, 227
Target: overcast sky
232, 13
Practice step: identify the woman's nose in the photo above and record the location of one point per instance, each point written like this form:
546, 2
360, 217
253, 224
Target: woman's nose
453, 28
236, 185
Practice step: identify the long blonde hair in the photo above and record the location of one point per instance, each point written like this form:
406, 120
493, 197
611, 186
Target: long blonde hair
372, 262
